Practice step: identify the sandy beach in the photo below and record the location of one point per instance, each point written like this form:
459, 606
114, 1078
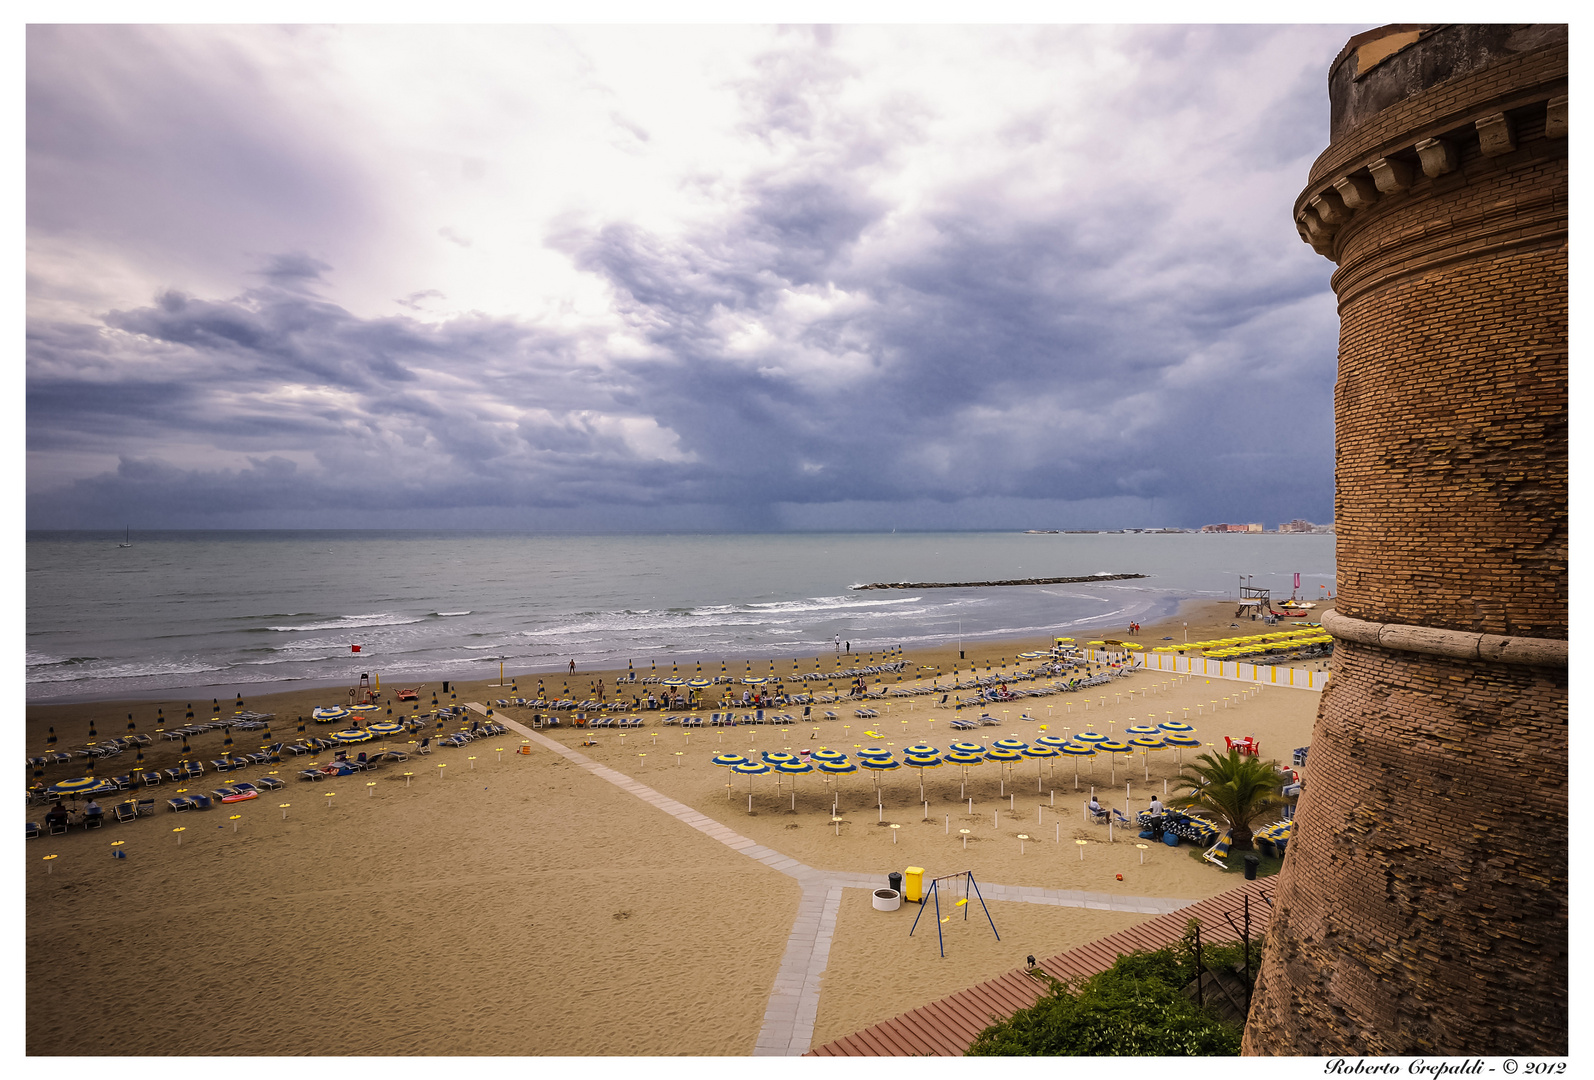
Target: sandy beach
405, 917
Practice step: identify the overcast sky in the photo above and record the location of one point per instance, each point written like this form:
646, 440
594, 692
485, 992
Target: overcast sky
626, 278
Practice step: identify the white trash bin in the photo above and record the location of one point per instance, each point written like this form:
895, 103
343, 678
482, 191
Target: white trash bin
887, 899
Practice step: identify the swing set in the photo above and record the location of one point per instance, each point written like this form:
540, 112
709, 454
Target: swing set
969, 886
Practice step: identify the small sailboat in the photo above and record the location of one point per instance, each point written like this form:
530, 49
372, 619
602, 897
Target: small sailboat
127, 538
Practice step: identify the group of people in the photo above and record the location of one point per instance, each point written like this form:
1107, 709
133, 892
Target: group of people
1155, 810
59, 816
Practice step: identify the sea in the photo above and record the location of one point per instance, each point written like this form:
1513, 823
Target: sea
260, 611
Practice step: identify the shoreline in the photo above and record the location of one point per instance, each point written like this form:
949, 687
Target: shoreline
1004, 642
1206, 618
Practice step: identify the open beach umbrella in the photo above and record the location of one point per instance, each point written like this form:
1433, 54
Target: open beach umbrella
1056, 742
750, 769
1180, 742
776, 757
674, 680
328, 714
1010, 744
1039, 752
826, 754
1077, 751
1178, 727
78, 786
964, 759
1114, 748
699, 684
1092, 737
755, 680
877, 765
837, 768
352, 735
727, 761
1140, 729
793, 768
922, 757
873, 752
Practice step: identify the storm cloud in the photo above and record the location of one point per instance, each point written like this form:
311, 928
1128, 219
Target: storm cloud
782, 278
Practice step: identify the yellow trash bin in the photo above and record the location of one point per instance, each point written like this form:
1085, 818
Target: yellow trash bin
913, 884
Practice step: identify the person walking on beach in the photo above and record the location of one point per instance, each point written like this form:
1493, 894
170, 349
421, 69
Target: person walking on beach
849, 648
572, 667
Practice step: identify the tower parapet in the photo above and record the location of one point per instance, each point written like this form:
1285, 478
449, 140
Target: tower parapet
1423, 904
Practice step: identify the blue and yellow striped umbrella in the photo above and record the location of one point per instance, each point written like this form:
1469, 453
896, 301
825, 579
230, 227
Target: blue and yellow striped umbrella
1091, 737
1114, 748
1077, 751
728, 761
78, 786
750, 769
1177, 726
967, 748
826, 754
1180, 743
353, 735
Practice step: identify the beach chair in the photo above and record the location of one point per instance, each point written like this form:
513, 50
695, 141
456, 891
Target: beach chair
201, 802
425, 746
34, 831
125, 811
223, 791
1100, 817
1119, 820
180, 804
145, 807
310, 774
270, 783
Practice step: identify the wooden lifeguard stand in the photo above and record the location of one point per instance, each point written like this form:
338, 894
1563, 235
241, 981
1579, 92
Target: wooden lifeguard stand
969, 888
365, 692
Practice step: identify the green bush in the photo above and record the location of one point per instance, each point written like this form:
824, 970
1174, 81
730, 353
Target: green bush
1137, 1007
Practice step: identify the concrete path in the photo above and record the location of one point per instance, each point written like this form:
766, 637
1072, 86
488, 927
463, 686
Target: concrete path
794, 1002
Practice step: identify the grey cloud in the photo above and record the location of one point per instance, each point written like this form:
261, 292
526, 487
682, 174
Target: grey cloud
1120, 360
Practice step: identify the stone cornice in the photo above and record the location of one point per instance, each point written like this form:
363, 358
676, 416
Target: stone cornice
1455, 644
1355, 175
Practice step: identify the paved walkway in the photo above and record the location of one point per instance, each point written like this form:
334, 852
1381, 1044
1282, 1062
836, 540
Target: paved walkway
794, 1002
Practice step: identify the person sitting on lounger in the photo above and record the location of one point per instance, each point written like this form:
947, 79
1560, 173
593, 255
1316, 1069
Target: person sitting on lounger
1095, 808
56, 816
93, 810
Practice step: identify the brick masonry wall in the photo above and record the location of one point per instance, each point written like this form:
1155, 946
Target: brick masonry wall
1423, 906
1424, 910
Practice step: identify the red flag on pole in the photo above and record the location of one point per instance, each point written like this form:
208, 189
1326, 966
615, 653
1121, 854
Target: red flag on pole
1297, 585
356, 648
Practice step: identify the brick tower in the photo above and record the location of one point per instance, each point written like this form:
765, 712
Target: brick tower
1422, 908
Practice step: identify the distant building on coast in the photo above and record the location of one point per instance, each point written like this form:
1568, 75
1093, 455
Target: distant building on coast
1423, 907
1252, 527
1301, 525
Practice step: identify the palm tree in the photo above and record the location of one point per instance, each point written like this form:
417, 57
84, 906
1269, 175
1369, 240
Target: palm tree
1234, 788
